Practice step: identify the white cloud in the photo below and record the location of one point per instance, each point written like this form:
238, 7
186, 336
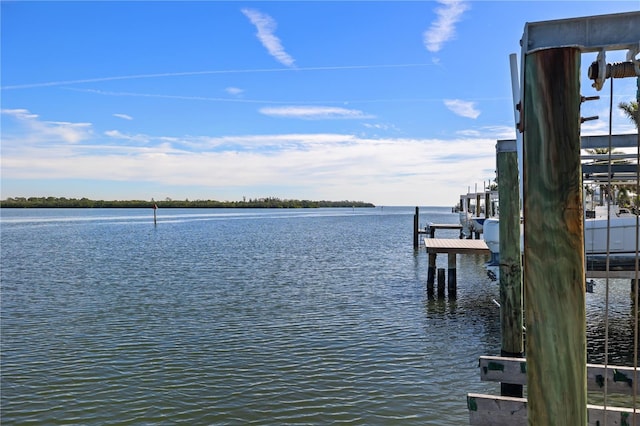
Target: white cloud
443, 29
123, 116
138, 139
43, 131
314, 112
380, 126
20, 114
235, 91
334, 166
462, 108
266, 27
496, 132
320, 166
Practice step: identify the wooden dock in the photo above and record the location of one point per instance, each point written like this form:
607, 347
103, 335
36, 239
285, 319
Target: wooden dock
455, 246
496, 410
433, 227
451, 247
430, 229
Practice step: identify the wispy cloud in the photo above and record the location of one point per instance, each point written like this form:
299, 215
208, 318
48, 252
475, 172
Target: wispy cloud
123, 116
235, 91
266, 27
495, 132
318, 166
462, 108
39, 131
443, 28
314, 112
136, 139
380, 126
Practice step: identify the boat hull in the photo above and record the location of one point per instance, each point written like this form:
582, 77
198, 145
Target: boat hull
619, 246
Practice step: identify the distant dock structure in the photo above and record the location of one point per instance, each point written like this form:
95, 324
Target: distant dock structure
449, 246
429, 229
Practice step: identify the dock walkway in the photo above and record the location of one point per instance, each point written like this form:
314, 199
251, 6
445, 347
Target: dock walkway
451, 247
462, 246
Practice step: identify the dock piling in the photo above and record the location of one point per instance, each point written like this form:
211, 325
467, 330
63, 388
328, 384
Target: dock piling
451, 247
554, 239
155, 218
441, 283
416, 226
511, 305
431, 272
451, 276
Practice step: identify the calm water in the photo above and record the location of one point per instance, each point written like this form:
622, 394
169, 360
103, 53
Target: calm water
244, 317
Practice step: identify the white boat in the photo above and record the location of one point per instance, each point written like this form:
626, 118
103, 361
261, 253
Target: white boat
471, 224
615, 237
473, 210
620, 245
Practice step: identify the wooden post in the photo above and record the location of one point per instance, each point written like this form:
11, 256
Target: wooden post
416, 241
431, 272
478, 213
451, 276
554, 241
155, 220
487, 204
511, 307
441, 283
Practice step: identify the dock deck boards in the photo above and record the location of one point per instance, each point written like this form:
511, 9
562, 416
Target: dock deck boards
431, 228
450, 245
445, 226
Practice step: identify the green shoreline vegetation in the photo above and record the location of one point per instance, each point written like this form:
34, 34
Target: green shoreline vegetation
269, 202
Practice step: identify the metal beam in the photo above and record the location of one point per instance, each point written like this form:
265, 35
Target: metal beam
506, 145
616, 169
619, 31
629, 140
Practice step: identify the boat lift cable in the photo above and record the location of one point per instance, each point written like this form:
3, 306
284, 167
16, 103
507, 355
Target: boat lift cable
607, 260
635, 281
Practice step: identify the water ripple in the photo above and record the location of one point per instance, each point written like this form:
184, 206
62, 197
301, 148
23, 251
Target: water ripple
281, 319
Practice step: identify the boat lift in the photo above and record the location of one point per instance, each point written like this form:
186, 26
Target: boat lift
547, 116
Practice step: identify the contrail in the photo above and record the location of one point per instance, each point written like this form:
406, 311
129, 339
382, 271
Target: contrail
269, 101
190, 73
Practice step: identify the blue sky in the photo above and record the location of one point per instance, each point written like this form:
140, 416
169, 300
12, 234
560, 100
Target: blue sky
395, 103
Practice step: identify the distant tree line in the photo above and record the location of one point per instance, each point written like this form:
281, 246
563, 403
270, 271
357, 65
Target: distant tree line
269, 202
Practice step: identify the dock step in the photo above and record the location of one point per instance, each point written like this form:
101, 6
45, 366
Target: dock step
504, 410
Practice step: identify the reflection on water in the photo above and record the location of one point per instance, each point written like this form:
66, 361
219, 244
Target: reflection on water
617, 322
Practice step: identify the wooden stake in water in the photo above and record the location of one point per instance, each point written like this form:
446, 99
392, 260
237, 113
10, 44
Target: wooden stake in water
155, 220
416, 225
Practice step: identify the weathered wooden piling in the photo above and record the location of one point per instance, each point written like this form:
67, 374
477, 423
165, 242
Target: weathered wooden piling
476, 234
554, 240
155, 219
511, 307
431, 271
416, 230
450, 247
452, 280
441, 283
487, 204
